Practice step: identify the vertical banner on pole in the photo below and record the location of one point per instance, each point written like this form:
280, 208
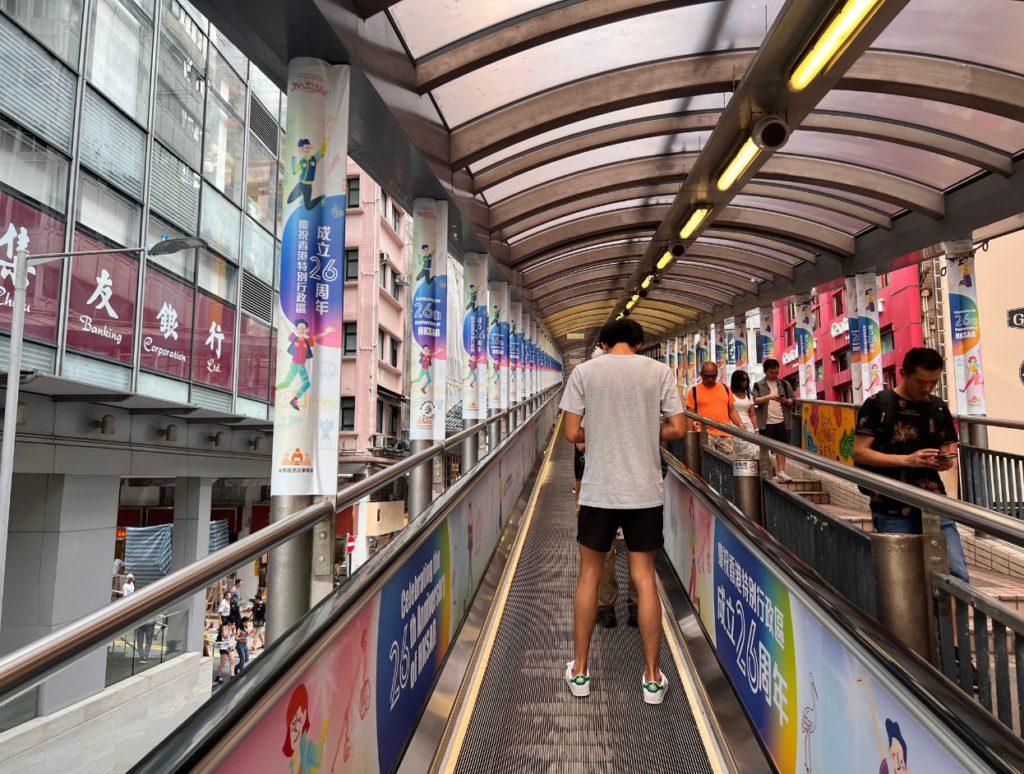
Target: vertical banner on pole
856, 354
497, 346
691, 361
684, 352
966, 334
474, 336
702, 351
670, 354
721, 355
428, 353
870, 335
740, 332
805, 346
730, 345
515, 321
309, 311
766, 335
524, 358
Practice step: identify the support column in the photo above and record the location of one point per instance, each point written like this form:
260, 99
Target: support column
691, 451
60, 554
420, 482
470, 447
191, 543
288, 570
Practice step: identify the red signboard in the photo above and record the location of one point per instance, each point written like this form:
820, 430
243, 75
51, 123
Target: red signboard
101, 305
24, 226
213, 342
254, 365
166, 324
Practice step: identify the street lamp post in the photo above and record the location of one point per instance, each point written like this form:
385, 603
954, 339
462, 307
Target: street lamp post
22, 261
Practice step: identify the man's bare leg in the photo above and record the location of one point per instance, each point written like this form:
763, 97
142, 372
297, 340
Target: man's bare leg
591, 566
641, 570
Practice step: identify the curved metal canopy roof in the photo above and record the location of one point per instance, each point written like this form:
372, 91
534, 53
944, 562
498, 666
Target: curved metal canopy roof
583, 133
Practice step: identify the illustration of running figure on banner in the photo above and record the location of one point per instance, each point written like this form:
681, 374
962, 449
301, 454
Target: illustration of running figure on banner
309, 311
428, 353
474, 337
515, 321
497, 347
966, 335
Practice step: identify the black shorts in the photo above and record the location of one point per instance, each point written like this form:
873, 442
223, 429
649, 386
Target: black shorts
578, 463
776, 432
641, 527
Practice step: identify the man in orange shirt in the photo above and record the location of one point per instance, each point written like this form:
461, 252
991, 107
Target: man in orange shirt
713, 400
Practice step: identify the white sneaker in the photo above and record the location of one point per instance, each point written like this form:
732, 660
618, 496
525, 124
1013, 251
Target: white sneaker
579, 685
783, 478
654, 693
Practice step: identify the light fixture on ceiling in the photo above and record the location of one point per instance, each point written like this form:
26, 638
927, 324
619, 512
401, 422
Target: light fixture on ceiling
633, 301
694, 221
647, 282
833, 41
738, 165
665, 260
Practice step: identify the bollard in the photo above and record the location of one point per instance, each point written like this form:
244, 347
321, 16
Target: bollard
691, 451
747, 478
902, 588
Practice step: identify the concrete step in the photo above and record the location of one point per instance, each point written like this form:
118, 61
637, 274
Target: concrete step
855, 517
801, 485
818, 498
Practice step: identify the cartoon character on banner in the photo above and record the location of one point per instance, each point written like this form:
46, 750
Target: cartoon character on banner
869, 300
305, 168
876, 379
426, 264
973, 374
303, 753
470, 336
966, 280
809, 722
301, 350
425, 360
893, 752
700, 552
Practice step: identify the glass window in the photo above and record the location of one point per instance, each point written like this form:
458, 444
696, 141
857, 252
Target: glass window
351, 343
38, 90
380, 415
394, 352
32, 169
396, 218
888, 342
254, 359
817, 317
348, 414
120, 50
261, 183
229, 50
258, 252
112, 145
383, 204
217, 276
181, 83
183, 262
174, 189
396, 420
57, 23
352, 193
381, 342
837, 304
219, 223
394, 283
384, 270
819, 371
224, 83
222, 154
843, 360
352, 265
789, 337
265, 90
105, 212
279, 199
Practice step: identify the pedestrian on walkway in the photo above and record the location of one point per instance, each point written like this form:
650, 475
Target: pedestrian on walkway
259, 621
631, 403
242, 644
715, 401
908, 434
744, 399
774, 397
226, 649
224, 608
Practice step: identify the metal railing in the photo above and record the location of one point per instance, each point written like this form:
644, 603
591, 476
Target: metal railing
993, 479
716, 469
980, 659
38, 660
146, 645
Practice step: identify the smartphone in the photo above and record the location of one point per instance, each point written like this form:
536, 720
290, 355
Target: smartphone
950, 456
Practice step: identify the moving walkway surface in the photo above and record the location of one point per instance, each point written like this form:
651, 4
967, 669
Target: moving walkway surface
524, 718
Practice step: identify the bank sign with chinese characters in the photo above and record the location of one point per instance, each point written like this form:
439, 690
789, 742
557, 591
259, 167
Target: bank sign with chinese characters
817, 704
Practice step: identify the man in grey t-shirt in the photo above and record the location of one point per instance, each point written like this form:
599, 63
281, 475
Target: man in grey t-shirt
631, 403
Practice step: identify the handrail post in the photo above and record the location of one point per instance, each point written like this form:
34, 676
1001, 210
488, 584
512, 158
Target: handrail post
934, 558
691, 451
288, 570
421, 482
494, 432
470, 448
746, 476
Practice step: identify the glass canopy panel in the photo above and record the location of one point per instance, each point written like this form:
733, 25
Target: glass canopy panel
671, 107
914, 164
985, 128
867, 201
428, 25
753, 249
808, 212
611, 207
951, 29
599, 157
695, 29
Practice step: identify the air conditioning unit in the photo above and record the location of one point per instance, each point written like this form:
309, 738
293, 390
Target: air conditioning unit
379, 441
401, 280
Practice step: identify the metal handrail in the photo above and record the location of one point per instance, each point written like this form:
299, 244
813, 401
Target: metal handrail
43, 657
1012, 424
982, 519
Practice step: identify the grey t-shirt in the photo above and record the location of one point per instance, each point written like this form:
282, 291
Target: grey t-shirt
625, 398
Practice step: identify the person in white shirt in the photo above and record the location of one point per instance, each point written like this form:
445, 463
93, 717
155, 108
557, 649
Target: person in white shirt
740, 387
129, 586
773, 396
118, 566
224, 608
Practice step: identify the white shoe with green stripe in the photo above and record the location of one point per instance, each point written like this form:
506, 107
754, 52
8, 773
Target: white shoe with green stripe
579, 685
654, 692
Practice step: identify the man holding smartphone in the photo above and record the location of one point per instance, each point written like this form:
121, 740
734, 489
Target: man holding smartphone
908, 434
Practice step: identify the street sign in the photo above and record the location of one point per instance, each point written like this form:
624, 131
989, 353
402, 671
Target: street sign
1015, 317
350, 545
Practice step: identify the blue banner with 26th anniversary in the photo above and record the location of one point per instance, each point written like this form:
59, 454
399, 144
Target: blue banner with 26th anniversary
428, 355
309, 312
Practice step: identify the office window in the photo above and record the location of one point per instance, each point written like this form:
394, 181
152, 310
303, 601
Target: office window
112, 145
105, 212
261, 183
348, 414
790, 310
352, 265
889, 377
258, 252
222, 155
183, 262
181, 83
819, 371
174, 191
118, 60
265, 90
383, 204
351, 342
842, 360
883, 280
394, 352
837, 304
888, 343
380, 416
789, 337
395, 422
218, 223
57, 23
224, 83
217, 276
352, 193
381, 342
396, 217
394, 282
817, 317
383, 271
33, 169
